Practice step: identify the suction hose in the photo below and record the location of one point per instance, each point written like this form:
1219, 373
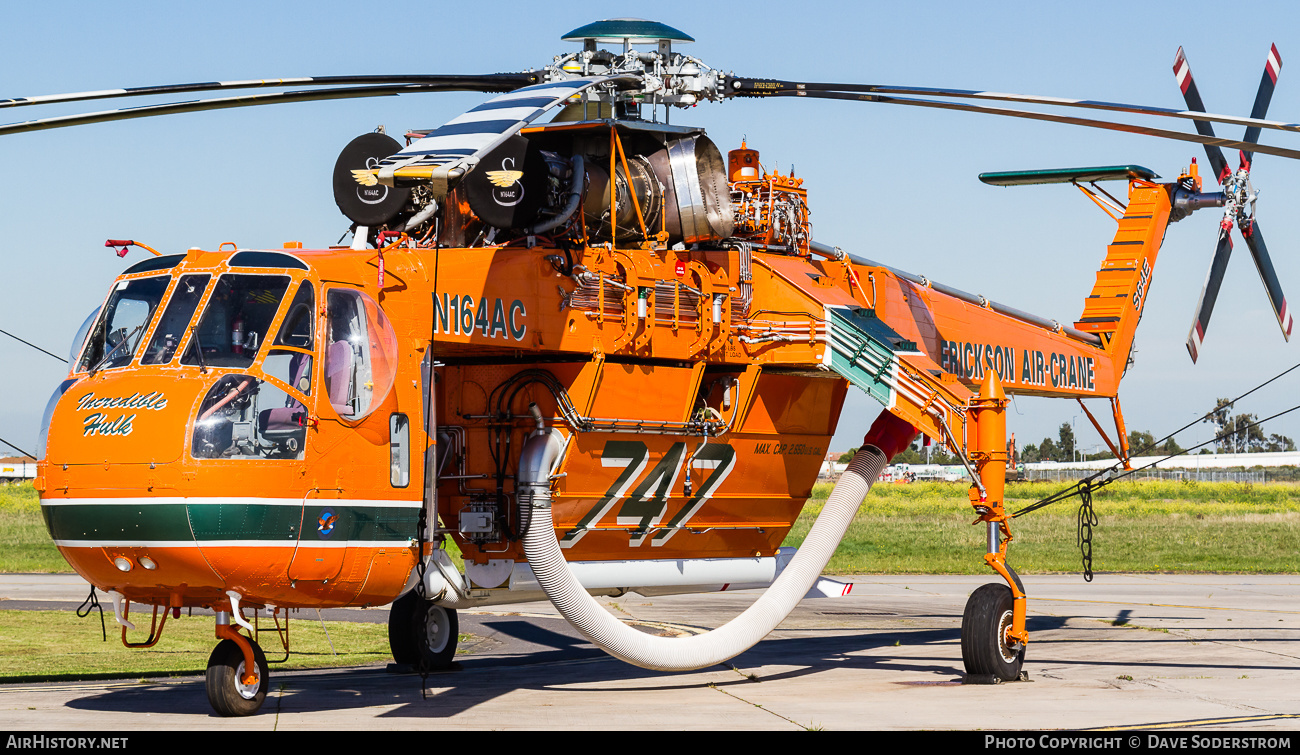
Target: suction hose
888, 436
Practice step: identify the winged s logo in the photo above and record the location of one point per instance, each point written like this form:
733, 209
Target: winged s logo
509, 191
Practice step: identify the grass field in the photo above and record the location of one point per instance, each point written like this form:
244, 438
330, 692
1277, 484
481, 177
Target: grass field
24, 544
1143, 527
926, 528
901, 529
56, 645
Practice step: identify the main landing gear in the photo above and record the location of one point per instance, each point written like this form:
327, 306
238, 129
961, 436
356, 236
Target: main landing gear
987, 648
993, 634
422, 634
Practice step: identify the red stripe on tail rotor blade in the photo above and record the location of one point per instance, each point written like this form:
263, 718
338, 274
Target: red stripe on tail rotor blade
1195, 339
1182, 72
1274, 64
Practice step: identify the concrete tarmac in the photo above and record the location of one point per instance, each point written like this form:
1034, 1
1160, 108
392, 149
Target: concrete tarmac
1150, 651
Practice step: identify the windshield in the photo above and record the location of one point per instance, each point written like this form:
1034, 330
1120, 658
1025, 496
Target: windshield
175, 319
235, 320
125, 319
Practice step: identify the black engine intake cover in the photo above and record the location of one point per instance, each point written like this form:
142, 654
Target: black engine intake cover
507, 189
367, 205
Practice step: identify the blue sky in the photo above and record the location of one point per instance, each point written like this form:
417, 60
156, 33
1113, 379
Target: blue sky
894, 184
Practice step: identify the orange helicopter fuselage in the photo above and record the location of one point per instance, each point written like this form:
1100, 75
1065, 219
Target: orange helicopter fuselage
698, 391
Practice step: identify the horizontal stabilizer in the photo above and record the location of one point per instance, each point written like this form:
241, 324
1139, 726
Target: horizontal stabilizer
1068, 175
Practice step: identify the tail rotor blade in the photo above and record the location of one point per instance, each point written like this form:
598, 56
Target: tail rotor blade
1192, 95
1210, 292
1267, 83
1255, 240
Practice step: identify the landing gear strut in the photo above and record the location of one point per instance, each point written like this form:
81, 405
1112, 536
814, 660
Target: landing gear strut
421, 633
237, 676
993, 634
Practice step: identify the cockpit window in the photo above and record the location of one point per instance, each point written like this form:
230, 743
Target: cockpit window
296, 330
243, 417
237, 317
175, 320
360, 354
125, 319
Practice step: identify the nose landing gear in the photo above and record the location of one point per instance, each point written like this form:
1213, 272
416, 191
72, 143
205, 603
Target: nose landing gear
232, 690
237, 678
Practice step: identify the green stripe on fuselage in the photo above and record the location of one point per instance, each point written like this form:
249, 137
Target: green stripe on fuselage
201, 522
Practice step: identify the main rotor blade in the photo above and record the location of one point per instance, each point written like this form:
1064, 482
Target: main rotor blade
1255, 240
1050, 117
742, 87
249, 100
1210, 292
1192, 95
1264, 95
450, 151
495, 82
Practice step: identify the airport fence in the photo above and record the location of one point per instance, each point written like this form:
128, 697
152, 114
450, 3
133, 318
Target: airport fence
1189, 475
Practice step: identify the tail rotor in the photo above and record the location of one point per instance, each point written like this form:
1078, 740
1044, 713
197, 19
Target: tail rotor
1239, 204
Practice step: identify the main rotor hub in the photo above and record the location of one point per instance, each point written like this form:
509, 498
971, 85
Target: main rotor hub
664, 77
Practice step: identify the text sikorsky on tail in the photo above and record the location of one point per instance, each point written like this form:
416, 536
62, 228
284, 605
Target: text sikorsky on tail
581, 343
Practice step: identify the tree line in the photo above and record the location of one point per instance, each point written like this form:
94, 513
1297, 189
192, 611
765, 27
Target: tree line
1234, 434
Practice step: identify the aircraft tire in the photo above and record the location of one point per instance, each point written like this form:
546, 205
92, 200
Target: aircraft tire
401, 633
227, 694
435, 632
984, 624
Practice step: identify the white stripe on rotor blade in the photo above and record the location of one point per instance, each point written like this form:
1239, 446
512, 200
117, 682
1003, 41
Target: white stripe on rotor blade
455, 141
502, 114
520, 94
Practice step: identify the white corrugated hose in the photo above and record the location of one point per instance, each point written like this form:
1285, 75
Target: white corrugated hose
702, 650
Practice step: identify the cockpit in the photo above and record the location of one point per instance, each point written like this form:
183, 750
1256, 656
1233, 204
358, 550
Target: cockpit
261, 334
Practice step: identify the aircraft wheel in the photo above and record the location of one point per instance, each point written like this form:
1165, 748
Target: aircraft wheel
401, 636
986, 645
435, 632
227, 692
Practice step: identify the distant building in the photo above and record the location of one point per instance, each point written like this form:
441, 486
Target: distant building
1185, 461
17, 468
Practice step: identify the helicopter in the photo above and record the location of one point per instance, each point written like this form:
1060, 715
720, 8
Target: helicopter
581, 343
